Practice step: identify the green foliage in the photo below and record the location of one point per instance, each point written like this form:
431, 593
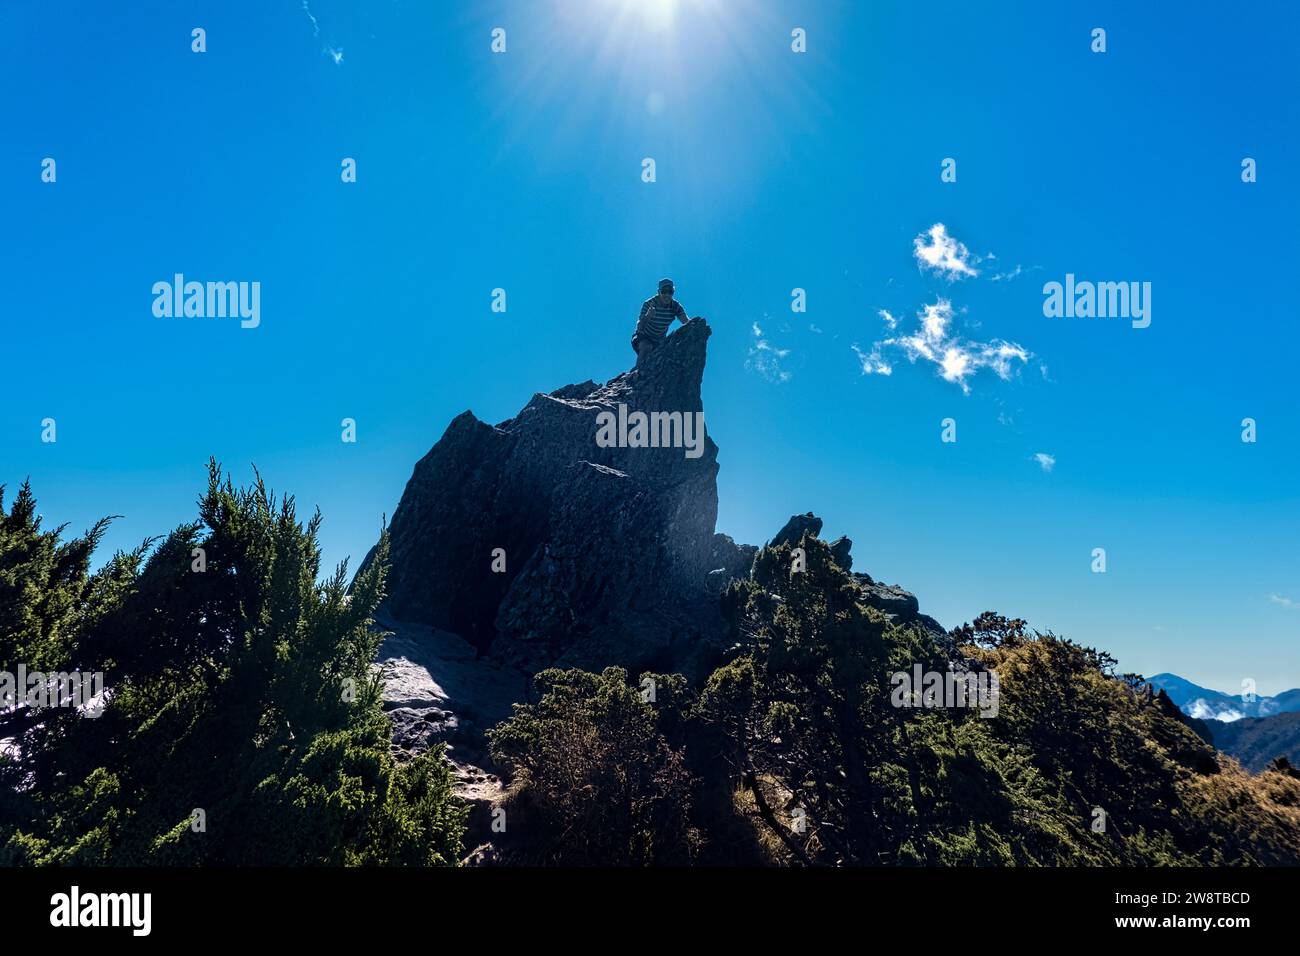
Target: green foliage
246, 691
46, 589
796, 702
1106, 742
834, 770
596, 779
826, 767
841, 777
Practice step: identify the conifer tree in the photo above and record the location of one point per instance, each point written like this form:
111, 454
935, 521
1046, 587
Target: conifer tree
244, 721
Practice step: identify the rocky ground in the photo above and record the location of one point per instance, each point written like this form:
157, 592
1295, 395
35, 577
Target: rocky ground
437, 690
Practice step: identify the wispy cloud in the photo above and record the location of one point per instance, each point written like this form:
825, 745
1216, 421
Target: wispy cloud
872, 363
936, 341
765, 359
1045, 461
315, 25
1015, 273
334, 53
1286, 602
939, 252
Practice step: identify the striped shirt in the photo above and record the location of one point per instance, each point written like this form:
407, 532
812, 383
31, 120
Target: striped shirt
657, 317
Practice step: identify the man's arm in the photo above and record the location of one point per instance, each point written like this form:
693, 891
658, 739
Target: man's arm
681, 313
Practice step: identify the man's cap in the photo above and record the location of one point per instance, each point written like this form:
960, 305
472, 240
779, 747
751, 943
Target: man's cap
666, 284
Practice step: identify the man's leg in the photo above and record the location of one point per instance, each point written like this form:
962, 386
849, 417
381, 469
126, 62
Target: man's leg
643, 349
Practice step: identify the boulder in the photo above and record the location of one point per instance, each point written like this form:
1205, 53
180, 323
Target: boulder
794, 529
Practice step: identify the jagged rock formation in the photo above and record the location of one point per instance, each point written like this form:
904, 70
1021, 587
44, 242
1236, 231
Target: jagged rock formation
607, 550
610, 557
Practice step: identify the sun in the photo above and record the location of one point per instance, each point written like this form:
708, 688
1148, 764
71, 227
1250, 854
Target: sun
658, 13
654, 14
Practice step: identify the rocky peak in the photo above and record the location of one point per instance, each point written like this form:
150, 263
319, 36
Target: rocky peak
580, 532
544, 540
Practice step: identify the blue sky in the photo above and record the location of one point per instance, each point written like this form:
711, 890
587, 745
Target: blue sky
775, 171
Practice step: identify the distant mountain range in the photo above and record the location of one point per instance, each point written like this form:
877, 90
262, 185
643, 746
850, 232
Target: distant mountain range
1205, 704
1255, 732
1257, 741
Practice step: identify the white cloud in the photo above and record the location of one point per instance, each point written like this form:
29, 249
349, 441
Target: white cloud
935, 320
1046, 462
314, 25
937, 339
938, 342
942, 253
1203, 711
765, 358
334, 53
955, 365
999, 355
872, 363
1015, 273
1286, 602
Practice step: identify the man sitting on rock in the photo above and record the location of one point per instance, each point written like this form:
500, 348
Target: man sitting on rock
657, 313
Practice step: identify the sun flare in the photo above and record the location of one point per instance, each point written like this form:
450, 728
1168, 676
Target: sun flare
656, 14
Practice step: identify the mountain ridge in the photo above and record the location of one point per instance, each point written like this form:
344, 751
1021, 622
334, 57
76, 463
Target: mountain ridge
1206, 704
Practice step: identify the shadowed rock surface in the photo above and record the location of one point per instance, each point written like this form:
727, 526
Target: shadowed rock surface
607, 550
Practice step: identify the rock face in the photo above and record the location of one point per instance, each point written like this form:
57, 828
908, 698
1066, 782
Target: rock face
438, 690
810, 524
607, 548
